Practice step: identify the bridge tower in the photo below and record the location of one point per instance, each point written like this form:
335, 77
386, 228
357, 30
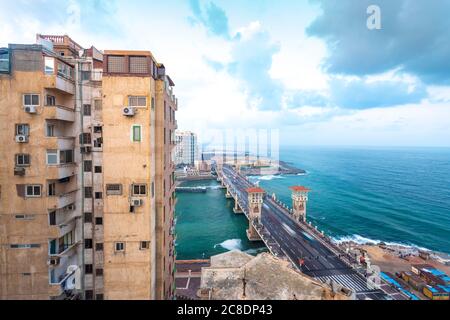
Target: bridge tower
299, 199
255, 202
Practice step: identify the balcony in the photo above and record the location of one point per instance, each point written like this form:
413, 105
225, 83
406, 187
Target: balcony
60, 143
60, 274
62, 200
60, 230
59, 113
64, 251
60, 83
61, 171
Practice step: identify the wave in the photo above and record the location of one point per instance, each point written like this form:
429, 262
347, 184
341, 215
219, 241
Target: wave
358, 239
231, 244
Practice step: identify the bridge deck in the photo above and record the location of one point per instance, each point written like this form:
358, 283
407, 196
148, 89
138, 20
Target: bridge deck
294, 240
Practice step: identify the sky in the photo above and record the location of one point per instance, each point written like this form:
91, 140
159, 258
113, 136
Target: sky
310, 69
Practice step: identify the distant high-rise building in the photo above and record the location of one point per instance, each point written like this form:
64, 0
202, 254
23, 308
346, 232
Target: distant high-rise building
86, 173
186, 150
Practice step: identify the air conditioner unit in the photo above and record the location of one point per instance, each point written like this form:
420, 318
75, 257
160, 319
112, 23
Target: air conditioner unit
136, 202
18, 171
21, 138
128, 111
53, 261
30, 109
85, 149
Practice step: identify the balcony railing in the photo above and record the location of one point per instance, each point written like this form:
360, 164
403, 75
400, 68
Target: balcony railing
59, 113
62, 200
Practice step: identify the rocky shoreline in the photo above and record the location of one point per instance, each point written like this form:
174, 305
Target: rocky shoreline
284, 168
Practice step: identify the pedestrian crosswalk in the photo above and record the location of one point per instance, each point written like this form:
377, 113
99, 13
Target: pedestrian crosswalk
351, 281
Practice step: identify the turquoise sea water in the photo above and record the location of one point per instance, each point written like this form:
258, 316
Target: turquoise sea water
396, 195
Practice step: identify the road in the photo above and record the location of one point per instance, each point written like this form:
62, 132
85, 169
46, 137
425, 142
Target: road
296, 242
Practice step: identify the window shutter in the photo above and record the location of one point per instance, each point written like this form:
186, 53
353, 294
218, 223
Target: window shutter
20, 190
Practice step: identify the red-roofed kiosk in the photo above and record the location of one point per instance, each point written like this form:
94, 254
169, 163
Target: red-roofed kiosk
299, 199
255, 201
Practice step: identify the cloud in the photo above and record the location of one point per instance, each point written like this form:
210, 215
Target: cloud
303, 98
74, 17
212, 17
414, 37
251, 63
359, 93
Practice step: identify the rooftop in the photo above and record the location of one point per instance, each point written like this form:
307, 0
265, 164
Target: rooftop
236, 275
255, 190
299, 189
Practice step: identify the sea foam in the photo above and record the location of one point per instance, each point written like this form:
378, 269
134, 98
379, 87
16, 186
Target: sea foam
358, 239
231, 244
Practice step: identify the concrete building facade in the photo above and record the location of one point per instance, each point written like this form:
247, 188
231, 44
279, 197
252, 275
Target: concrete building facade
186, 150
82, 214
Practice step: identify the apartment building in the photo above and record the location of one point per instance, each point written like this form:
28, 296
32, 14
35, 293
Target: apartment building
80, 213
186, 150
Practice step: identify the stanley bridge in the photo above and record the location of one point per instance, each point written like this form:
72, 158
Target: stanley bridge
287, 235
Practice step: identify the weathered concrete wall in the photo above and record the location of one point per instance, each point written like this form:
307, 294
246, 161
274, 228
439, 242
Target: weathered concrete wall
24, 273
129, 274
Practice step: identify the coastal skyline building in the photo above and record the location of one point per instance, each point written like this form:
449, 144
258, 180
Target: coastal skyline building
86, 173
186, 150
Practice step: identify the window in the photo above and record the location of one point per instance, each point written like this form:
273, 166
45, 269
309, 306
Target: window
4, 60
144, 245
25, 216
89, 294
99, 221
50, 130
49, 65
98, 105
22, 160
65, 70
116, 64
85, 75
98, 169
22, 129
136, 133
86, 109
52, 189
114, 189
31, 100
137, 101
25, 246
88, 192
50, 100
33, 191
99, 246
87, 166
98, 142
153, 103
119, 246
99, 296
88, 217
88, 243
52, 157
138, 65
98, 195
85, 138
98, 129
88, 268
153, 189
66, 156
99, 273
139, 189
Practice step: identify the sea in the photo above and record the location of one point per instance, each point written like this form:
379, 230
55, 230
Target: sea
366, 195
